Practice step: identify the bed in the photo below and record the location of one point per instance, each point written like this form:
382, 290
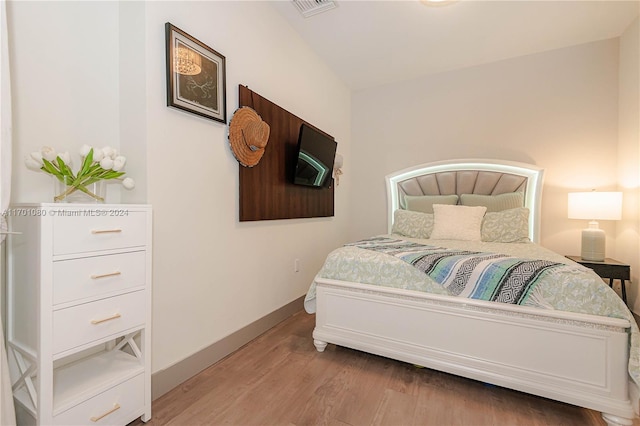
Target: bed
563, 334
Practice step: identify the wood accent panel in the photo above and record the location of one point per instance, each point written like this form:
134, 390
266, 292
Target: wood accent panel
266, 191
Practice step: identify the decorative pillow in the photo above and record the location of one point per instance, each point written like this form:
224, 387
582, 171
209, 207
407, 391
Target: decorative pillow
457, 222
494, 203
424, 203
507, 226
412, 224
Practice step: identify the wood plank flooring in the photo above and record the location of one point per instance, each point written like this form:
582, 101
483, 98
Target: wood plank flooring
280, 379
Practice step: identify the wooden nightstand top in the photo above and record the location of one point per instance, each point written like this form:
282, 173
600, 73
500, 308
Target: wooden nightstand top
609, 268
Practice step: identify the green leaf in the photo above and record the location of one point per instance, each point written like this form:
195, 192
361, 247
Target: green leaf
51, 169
111, 174
87, 163
64, 169
90, 181
94, 169
91, 172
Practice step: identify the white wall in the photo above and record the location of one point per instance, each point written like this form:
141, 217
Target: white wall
557, 110
94, 72
628, 229
132, 95
212, 274
64, 71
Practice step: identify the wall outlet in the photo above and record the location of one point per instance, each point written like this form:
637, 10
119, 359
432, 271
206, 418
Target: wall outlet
296, 265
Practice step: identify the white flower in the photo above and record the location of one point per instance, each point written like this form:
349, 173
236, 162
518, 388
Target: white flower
106, 163
98, 155
84, 150
48, 153
33, 164
109, 152
119, 162
37, 155
66, 158
128, 183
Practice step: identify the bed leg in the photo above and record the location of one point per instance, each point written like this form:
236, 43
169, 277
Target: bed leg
320, 345
613, 420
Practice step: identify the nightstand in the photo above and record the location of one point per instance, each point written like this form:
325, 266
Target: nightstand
609, 268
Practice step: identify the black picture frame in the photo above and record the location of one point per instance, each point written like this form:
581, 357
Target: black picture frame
196, 76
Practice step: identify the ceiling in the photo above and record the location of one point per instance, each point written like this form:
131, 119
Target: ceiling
371, 43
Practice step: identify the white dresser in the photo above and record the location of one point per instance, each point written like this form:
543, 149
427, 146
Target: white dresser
79, 313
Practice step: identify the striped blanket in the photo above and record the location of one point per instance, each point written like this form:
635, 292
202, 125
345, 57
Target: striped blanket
476, 275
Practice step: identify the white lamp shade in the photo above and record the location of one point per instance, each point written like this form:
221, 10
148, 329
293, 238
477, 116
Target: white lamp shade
595, 205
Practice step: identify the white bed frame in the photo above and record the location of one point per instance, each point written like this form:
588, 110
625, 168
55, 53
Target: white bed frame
574, 358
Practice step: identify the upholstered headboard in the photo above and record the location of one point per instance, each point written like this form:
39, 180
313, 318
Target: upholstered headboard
469, 176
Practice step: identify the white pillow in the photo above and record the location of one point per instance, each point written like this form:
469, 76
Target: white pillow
457, 222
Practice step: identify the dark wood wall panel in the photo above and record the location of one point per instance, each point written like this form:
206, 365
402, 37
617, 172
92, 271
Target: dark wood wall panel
266, 191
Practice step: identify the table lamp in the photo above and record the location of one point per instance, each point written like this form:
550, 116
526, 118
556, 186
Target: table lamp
594, 206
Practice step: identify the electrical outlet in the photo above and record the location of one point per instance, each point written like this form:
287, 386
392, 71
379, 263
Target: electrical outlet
296, 265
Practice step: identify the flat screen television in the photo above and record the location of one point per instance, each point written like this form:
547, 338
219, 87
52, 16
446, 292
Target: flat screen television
315, 155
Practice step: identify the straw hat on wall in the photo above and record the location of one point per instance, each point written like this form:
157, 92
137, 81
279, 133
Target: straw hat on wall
248, 136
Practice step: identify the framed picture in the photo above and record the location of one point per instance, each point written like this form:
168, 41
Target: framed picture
195, 76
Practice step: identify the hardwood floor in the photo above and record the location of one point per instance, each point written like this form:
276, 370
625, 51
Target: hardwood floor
280, 379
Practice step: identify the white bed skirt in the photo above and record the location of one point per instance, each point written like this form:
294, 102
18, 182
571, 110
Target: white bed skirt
574, 358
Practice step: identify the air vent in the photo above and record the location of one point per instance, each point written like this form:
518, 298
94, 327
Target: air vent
313, 7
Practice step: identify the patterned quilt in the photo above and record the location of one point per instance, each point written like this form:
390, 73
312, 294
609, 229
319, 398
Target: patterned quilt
568, 287
488, 276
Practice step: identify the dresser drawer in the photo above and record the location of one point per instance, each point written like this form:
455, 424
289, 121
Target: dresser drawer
79, 234
91, 277
88, 322
116, 406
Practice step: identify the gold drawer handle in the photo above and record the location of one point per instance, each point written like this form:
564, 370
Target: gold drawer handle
111, 274
98, 418
115, 316
106, 231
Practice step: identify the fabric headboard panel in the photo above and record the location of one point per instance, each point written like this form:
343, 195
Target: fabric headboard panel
469, 176
461, 182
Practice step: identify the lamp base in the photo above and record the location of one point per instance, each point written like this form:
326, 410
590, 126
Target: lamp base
593, 243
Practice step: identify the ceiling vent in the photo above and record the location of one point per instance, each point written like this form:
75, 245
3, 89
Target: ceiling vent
313, 7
